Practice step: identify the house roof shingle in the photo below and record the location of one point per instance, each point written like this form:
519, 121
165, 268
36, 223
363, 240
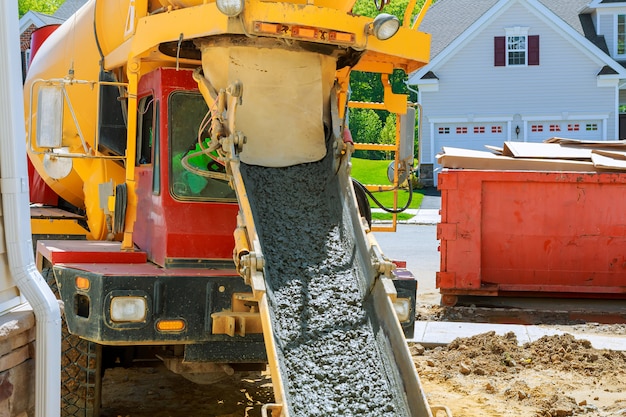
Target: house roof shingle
568, 10
68, 8
450, 18
47, 19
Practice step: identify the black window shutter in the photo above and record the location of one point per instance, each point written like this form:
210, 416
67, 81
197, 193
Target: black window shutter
533, 50
499, 51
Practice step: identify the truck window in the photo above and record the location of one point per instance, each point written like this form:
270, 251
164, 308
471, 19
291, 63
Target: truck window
156, 170
145, 130
186, 112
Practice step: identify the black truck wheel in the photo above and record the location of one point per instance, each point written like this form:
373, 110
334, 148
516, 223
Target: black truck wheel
81, 364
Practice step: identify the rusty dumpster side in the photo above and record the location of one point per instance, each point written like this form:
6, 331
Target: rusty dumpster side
532, 233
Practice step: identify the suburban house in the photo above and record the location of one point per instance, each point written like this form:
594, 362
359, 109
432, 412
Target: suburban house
520, 70
31, 21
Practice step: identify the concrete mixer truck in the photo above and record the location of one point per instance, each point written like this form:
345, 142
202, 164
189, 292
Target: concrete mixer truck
200, 152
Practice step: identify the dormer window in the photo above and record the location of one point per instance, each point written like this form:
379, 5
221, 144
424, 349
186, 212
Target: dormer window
517, 48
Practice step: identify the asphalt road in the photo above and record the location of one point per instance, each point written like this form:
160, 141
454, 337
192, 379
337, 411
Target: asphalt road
419, 247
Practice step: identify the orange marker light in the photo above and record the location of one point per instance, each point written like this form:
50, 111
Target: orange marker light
263, 27
175, 325
82, 283
341, 36
303, 32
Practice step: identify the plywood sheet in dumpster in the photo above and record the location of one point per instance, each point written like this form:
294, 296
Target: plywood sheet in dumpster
554, 232
545, 150
557, 151
615, 154
608, 162
471, 159
590, 143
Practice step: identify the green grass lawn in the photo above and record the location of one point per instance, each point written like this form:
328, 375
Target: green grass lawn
368, 171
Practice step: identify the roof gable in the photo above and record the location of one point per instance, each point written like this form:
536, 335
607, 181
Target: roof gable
30, 19
37, 19
567, 22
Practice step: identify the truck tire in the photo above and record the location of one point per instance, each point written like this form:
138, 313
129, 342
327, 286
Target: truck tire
81, 364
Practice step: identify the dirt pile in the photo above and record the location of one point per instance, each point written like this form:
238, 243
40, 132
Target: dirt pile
491, 375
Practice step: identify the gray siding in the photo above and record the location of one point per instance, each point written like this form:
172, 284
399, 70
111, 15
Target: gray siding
606, 27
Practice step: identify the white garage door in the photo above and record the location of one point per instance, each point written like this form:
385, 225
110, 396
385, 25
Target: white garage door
572, 129
468, 136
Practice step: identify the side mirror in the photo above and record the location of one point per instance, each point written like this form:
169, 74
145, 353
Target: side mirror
406, 147
50, 117
407, 136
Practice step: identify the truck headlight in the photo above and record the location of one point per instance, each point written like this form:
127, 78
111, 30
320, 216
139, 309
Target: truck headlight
230, 8
385, 26
128, 309
403, 308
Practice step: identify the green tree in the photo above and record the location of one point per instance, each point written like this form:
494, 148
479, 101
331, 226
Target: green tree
42, 6
395, 7
388, 133
368, 87
365, 126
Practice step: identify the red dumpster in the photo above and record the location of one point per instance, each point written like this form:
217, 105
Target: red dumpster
532, 233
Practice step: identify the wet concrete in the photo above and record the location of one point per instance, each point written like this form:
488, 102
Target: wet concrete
333, 357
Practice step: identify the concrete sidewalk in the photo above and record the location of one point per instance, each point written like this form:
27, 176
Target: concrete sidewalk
428, 213
439, 333
425, 216
420, 216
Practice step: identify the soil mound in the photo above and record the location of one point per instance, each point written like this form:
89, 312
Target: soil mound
492, 375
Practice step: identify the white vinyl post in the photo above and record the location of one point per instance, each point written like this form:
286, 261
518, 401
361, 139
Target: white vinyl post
15, 204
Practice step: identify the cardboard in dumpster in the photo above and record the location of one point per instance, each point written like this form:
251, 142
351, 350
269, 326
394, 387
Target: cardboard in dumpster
615, 154
554, 154
545, 150
591, 143
471, 159
498, 150
608, 163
